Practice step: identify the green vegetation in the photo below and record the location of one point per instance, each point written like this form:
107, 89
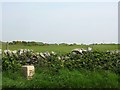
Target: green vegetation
97, 69
64, 79
87, 60
62, 48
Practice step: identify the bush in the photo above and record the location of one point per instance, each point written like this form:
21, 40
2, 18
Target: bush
89, 61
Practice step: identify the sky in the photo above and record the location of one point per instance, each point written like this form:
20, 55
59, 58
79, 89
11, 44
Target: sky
0, 22
60, 22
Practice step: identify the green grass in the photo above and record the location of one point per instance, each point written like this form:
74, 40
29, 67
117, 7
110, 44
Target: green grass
64, 79
62, 48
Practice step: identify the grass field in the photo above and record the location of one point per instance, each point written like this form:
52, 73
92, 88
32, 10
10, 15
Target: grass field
63, 48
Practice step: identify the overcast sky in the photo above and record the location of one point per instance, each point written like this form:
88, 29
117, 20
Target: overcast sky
58, 22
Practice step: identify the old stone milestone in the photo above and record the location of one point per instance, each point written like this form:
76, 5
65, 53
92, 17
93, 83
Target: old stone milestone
28, 71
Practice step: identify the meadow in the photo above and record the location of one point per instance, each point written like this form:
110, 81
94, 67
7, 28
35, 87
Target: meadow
62, 48
65, 77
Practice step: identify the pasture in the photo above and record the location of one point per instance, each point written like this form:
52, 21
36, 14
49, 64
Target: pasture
62, 48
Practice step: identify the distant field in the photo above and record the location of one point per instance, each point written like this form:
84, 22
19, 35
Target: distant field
62, 48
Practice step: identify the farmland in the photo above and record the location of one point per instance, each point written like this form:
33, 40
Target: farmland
62, 48
96, 69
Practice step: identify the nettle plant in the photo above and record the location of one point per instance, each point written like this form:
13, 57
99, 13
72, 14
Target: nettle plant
76, 59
